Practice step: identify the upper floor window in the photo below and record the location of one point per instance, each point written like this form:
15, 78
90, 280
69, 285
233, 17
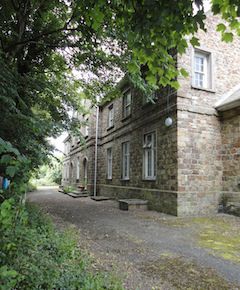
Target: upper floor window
87, 128
149, 156
110, 116
125, 160
127, 102
109, 163
202, 70
151, 99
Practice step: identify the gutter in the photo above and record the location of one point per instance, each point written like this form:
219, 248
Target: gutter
96, 152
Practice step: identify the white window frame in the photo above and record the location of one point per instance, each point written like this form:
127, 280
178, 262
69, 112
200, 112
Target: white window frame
110, 116
68, 169
127, 103
109, 163
125, 160
87, 128
150, 156
206, 72
78, 169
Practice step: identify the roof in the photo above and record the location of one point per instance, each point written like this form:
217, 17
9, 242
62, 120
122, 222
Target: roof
230, 100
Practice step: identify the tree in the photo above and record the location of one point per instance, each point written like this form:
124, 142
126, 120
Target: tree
42, 41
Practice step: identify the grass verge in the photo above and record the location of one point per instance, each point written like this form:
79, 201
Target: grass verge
34, 255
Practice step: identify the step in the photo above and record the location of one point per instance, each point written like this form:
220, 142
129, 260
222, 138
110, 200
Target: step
77, 195
101, 198
133, 204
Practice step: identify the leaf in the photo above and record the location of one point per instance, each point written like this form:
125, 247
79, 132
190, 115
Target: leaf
184, 73
221, 27
151, 79
194, 41
6, 158
11, 170
133, 67
227, 37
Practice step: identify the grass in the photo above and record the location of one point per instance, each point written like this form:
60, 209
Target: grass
219, 234
182, 274
222, 237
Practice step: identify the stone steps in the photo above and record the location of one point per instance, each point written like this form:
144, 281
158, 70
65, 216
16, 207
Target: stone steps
101, 198
133, 204
77, 195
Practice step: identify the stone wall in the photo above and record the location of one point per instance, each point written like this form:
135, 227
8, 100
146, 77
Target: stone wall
197, 157
200, 166
161, 192
199, 163
230, 132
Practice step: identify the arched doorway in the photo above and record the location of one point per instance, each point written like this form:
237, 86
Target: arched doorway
85, 175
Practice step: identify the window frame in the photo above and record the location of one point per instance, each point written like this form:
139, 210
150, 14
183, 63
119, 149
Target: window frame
126, 105
78, 169
109, 164
207, 72
110, 120
126, 160
153, 154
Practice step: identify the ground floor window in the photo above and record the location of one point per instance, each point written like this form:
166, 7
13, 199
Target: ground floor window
78, 170
125, 160
149, 156
109, 163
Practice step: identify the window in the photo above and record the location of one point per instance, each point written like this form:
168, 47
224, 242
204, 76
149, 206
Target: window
127, 100
149, 155
152, 99
110, 116
78, 169
202, 70
109, 163
67, 169
87, 128
125, 160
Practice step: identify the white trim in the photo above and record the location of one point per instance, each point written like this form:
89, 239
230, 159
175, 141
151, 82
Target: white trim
125, 160
127, 104
110, 117
151, 149
208, 68
227, 101
109, 163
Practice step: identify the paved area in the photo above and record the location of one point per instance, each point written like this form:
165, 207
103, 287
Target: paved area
148, 250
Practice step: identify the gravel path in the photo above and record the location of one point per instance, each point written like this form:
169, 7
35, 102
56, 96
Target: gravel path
148, 250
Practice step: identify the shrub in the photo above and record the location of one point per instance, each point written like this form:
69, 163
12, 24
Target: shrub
34, 255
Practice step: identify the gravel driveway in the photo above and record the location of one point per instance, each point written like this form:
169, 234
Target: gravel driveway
147, 250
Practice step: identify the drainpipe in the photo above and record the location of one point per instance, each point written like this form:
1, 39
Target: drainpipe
96, 151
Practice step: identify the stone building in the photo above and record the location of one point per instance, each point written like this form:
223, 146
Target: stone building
181, 153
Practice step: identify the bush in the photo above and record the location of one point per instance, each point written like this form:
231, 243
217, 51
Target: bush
34, 255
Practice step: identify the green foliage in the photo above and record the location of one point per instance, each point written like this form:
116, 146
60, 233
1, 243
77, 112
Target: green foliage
34, 255
41, 42
14, 166
230, 12
49, 173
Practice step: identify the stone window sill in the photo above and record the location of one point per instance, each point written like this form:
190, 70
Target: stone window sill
203, 89
109, 128
126, 118
149, 179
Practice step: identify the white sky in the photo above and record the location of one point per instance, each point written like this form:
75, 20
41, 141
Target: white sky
58, 144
